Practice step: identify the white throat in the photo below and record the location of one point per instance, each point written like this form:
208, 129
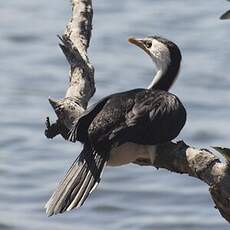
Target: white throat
156, 78
160, 55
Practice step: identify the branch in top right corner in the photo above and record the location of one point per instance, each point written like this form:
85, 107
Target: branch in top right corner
226, 15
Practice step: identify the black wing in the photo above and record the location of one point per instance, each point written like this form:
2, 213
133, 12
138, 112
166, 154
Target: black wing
80, 128
156, 117
145, 117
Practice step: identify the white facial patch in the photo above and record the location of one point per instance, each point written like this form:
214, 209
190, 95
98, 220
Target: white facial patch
160, 54
161, 57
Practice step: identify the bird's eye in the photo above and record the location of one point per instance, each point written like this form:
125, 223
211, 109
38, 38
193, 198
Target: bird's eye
148, 44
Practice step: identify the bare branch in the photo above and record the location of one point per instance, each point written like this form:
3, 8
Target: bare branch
74, 44
198, 163
226, 15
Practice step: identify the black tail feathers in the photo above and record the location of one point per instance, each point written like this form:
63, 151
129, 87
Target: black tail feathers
80, 180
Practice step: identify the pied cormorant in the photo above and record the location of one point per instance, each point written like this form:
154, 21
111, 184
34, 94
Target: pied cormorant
113, 129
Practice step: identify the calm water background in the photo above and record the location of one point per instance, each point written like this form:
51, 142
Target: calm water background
33, 68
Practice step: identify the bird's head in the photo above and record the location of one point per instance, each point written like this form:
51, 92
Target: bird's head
167, 57
162, 51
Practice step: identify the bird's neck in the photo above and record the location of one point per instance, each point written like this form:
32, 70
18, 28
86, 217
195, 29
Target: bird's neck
165, 76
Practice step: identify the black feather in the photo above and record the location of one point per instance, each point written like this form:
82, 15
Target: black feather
78, 183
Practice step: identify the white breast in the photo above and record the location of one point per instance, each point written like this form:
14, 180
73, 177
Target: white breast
130, 152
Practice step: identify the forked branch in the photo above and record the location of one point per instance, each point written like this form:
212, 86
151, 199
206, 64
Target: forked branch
74, 44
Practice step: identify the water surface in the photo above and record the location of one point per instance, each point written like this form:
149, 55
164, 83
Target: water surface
33, 68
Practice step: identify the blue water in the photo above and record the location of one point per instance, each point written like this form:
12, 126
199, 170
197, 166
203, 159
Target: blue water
33, 68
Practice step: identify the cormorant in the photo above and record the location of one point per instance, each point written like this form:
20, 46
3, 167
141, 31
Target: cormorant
113, 129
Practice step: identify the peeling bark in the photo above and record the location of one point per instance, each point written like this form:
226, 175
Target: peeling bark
74, 44
198, 163
176, 157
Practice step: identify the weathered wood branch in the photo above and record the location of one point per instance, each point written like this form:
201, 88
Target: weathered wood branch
226, 15
176, 157
198, 163
74, 44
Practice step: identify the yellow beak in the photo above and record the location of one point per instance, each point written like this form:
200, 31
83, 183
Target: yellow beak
139, 43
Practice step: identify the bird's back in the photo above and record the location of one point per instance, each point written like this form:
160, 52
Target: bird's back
142, 116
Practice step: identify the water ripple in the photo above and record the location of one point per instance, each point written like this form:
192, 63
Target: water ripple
33, 68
